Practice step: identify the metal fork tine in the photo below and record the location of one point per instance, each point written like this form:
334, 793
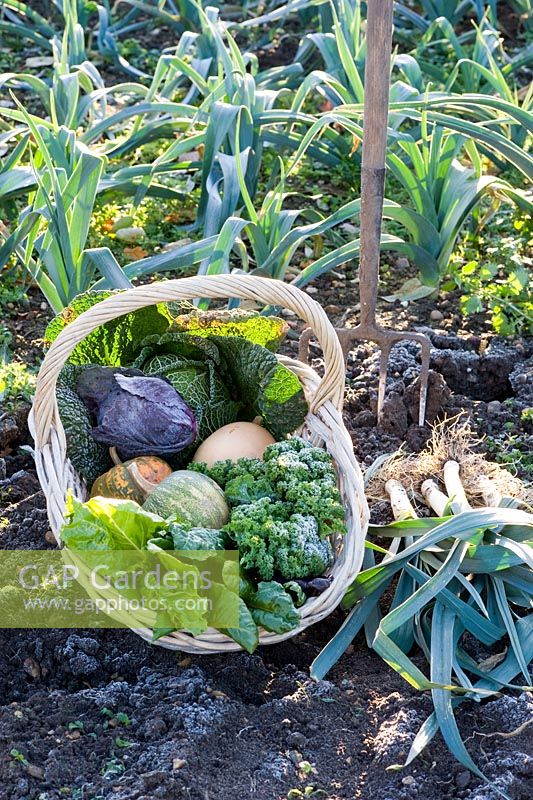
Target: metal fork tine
383, 363
385, 341
425, 352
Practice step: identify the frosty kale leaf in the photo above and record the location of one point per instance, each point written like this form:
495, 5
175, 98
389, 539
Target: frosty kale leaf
299, 550
273, 541
222, 472
320, 499
284, 507
293, 471
245, 489
305, 477
294, 461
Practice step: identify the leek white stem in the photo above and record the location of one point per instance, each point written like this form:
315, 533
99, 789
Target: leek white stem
401, 509
455, 488
434, 498
400, 503
489, 491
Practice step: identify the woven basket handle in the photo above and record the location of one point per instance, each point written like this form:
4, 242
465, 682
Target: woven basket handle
265, 291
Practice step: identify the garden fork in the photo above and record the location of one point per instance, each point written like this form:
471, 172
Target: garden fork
379, 29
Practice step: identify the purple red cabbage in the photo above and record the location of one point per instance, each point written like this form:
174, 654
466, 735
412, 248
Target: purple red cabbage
136, 414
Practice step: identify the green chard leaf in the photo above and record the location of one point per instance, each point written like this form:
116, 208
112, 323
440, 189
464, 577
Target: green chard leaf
158, 633
246, 635
116, 342
108, 524
161, 542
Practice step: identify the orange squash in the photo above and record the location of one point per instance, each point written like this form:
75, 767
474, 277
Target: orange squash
121, 481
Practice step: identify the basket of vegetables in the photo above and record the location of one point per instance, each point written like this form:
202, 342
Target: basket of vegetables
203, 437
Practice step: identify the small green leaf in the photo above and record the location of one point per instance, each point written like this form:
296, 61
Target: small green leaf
472, 305
158, 633
470, 268
272, 608
412, 289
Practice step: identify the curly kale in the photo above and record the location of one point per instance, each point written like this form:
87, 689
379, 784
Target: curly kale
284, 507
293, 471
224, 471
305, 477
246, 489
321, 500
294, 461
299, 550
273, 541
251, 527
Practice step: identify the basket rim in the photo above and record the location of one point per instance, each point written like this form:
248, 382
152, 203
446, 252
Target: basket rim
267, 291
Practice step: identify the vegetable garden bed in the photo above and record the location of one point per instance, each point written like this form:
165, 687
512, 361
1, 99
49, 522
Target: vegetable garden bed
143, 141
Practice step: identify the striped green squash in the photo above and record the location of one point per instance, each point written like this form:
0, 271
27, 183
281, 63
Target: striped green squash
192, 499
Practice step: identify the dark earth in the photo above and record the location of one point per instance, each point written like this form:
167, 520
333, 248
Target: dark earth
101, 714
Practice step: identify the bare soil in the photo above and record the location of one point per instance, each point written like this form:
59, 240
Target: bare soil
239, 726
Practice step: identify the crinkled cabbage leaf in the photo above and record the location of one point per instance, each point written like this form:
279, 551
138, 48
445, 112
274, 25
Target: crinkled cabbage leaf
226, 378
114, 343
268, 332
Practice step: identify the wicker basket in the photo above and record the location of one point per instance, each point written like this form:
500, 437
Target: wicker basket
323, 427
